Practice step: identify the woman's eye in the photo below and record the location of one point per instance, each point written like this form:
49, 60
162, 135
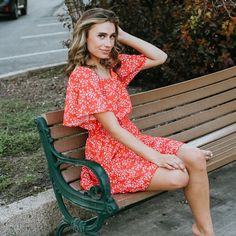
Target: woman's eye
101, 36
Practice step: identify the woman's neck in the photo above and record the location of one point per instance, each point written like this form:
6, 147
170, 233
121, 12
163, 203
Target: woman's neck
98, 68
102, 72
93, 61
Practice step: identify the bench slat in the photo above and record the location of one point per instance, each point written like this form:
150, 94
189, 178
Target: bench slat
63, 131
214, 136
72, 173
79, 153
171, 90
221, 160
222, 145
205, 128
193, 120
124, 199
180, 111
221, 141
53, 117
76, 185
67, 144
221, 149
181, 99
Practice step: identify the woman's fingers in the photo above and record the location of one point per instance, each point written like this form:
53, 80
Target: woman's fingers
171, 162
169, 166
182, 166
174, 163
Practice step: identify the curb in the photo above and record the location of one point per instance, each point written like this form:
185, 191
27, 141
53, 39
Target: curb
32, 216
30, 71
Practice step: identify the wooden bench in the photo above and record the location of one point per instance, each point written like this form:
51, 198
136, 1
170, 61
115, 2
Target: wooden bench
201, 112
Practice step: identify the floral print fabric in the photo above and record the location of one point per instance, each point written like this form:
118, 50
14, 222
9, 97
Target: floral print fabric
88, 94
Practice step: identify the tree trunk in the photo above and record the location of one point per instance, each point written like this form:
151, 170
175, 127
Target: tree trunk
75, 9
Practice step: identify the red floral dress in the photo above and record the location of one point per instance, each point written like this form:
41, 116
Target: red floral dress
88, 94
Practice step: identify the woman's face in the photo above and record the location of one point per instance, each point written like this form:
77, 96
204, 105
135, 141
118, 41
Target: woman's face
101, 40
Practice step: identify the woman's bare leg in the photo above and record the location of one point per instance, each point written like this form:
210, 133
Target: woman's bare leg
195, 184
197, 190
165, 179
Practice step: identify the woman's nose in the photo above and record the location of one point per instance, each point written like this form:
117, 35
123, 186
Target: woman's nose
108, 43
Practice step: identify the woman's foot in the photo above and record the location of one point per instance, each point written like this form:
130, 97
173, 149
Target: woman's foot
195, 230
208, 154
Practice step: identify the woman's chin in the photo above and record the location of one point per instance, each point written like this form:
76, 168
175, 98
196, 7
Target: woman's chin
105, 57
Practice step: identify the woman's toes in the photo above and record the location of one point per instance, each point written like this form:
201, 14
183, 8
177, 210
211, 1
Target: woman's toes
208, 154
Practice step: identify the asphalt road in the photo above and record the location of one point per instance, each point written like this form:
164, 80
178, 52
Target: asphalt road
35, 39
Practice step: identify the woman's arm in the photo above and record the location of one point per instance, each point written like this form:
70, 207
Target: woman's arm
111, 124
155, 56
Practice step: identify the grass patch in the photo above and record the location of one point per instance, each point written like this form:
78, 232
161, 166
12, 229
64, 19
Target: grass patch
5, 181
18, 133
27, 179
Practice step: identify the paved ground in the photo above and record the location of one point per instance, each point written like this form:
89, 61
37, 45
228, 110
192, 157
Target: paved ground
169, 215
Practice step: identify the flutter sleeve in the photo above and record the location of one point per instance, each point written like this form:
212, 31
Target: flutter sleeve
84, 97
130, 66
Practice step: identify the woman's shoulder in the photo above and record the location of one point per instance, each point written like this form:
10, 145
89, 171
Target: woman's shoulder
81, 72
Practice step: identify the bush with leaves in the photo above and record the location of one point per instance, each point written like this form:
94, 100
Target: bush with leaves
199, 36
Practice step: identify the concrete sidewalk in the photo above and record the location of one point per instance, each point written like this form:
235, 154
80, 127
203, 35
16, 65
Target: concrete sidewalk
169, 215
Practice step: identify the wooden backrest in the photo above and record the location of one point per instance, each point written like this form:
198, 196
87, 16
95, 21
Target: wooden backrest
188, 110
183, 111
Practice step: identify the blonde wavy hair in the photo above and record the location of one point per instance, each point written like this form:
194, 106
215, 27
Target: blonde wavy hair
78, 53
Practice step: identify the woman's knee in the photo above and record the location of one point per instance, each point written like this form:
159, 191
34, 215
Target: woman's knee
193, 157
165, 179
179, 179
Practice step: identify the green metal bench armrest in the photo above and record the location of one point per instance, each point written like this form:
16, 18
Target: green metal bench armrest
96, 168
98, 198
94, 196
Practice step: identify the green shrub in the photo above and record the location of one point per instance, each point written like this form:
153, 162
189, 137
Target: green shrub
198, 36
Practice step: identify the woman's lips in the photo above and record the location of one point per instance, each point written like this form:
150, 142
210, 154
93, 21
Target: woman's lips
105, 51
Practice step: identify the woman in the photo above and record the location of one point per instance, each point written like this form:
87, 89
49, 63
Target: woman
97, 100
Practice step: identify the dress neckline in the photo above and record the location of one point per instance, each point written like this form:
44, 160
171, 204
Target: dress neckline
112, 75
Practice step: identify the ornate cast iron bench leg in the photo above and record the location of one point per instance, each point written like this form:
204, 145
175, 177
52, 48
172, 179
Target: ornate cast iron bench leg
61, 227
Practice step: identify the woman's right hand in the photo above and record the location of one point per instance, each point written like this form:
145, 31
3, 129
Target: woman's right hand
170, 162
